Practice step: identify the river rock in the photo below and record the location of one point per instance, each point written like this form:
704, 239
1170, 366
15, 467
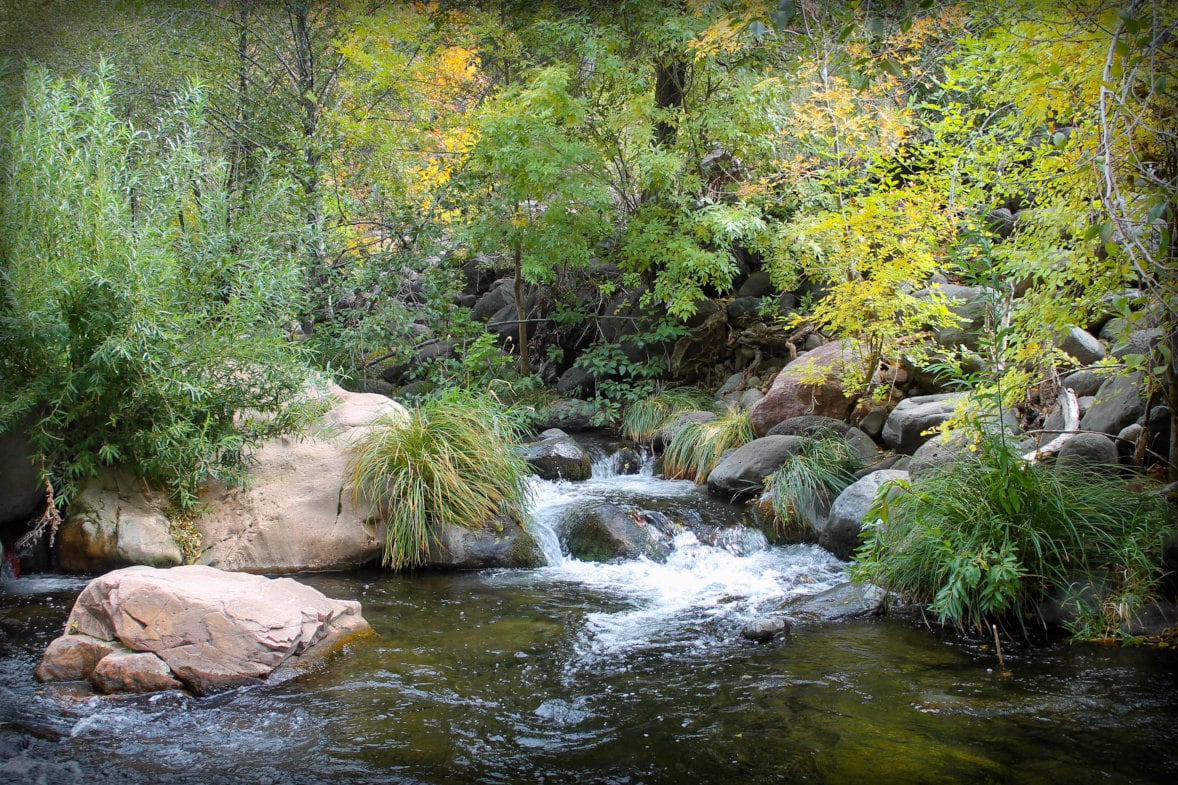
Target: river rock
1084, 382
809, 425
501, 543
1083, 346
297, 512
839, 533
908, 425
116, 521
133, 672
556, 456
765, 629
606, 531
850, 600
1119, 403
212, 629
939, 451
72, 657
811, 384
741, 473
1087, 451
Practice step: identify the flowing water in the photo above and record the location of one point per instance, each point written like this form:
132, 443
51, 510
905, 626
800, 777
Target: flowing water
630, 672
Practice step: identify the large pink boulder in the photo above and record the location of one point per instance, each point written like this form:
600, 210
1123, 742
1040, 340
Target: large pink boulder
208, 628
811, 384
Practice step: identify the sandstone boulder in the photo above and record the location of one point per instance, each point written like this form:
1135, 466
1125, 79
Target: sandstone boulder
116, 521
297, 511
209, 629
808, 385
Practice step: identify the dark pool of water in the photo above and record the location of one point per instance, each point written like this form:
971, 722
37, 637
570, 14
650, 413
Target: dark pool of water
542, 677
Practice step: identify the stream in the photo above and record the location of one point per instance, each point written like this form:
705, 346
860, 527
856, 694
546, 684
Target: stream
631, 672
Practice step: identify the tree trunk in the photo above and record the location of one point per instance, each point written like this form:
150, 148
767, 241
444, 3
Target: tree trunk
670, 88
517, 257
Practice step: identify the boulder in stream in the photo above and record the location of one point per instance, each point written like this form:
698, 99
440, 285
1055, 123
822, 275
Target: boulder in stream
556, 456
606, 531
196, 627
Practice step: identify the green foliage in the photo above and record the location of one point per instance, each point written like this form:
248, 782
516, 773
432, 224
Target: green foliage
820, 471
697, 447
985, 541
135, 328
449, 461
642, 418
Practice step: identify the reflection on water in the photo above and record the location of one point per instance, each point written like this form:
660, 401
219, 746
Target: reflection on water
608, 673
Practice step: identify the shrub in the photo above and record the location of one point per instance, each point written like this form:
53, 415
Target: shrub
450, 461
138, 326
821, 470
985, 541
643, 418
696, 449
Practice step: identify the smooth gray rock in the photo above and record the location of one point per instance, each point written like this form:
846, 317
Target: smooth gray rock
941, 450
1118, 403
1085, 382
1087, 451
765, 629
758, 285
840, 533
502, 543
846, 601
1086, 348
605, 532
556, 456
907, 425
1139, 342
808, 425
741, 473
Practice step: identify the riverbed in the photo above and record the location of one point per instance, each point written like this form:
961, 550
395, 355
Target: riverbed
630, 672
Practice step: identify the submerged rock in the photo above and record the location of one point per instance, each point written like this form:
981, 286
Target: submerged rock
194, 626
850, 600
765, 629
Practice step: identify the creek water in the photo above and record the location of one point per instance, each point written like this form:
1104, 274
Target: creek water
630, 672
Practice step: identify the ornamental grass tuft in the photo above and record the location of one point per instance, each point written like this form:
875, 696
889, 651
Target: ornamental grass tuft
985, 542
643, 418
823, 468
450, 461
698, 447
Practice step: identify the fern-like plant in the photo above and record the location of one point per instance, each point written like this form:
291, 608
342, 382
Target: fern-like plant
643, 418
696, 449
819, 471
983, 542
451, 460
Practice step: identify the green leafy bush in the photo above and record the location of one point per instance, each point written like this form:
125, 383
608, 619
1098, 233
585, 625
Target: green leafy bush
450, 461
696, 449
643, 418
821, 470
139, 325
984, 541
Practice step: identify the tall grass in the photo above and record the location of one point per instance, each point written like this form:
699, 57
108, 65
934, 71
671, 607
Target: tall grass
449, 462
821, 470
643, 418
985, 542
697, 448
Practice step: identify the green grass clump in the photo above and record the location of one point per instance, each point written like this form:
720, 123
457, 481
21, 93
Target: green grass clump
643, 418
821, 470
451, 460
696, 449
984, 542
